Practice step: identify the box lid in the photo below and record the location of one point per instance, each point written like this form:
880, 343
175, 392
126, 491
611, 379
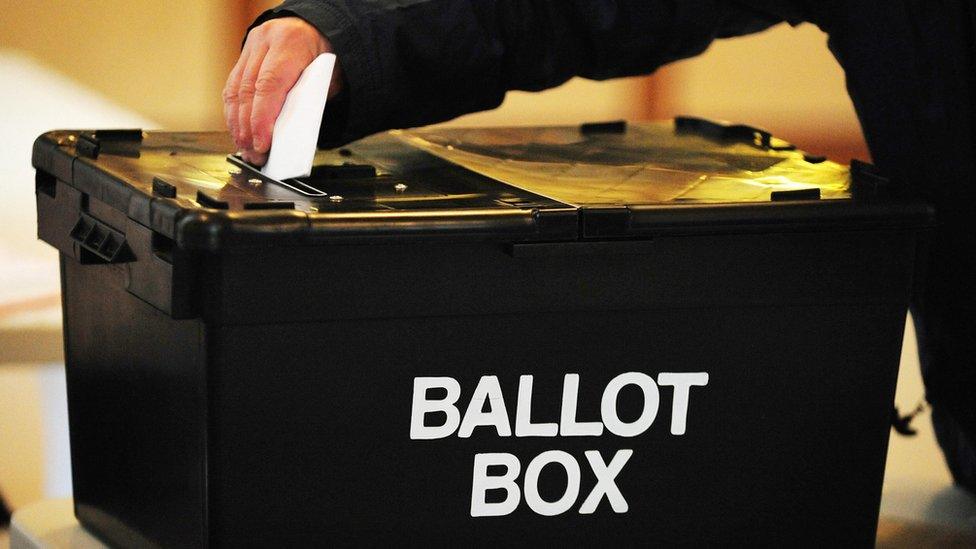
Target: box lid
513, 184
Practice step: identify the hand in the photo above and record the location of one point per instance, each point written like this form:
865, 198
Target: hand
274, 56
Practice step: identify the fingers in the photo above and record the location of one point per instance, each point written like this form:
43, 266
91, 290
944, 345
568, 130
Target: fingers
230, 94
257, 159
273, 58
245, 95
279, 72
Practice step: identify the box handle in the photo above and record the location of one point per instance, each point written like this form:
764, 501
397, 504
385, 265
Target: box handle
99, 242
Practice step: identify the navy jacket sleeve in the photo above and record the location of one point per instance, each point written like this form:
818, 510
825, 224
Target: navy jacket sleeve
911, 73
415, 62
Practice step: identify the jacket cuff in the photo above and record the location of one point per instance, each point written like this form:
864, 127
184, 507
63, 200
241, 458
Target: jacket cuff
356, 111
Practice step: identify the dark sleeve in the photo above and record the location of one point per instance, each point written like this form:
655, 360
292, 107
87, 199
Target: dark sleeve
911, 74
415, 62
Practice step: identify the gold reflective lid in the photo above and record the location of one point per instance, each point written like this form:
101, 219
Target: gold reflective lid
649, 163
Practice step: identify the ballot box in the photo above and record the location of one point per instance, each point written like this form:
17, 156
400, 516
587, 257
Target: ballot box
684, 332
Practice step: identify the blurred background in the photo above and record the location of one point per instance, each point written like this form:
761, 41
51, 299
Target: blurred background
145, 64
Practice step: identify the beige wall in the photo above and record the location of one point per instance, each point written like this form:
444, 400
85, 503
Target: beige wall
576, 101
21, 433
784, 79
166, 60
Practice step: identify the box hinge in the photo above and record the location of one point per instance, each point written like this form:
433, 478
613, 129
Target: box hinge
604, 221
557, 223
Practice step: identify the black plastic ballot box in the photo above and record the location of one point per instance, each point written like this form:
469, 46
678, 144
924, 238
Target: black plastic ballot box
664, 333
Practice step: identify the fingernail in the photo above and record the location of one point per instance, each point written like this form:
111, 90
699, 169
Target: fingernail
258, 144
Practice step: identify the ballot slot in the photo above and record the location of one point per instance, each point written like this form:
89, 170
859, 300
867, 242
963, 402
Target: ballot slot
291, 184
348, 179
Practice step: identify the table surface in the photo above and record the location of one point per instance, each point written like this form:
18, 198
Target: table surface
50, 524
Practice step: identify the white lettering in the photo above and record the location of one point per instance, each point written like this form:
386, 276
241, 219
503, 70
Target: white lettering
481, 483
497, 416
608, 405
523, 414
605, 485
421, 407
568, 427
682, 383
561, 505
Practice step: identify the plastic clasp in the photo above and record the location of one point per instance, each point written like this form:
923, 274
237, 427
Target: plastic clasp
735, 132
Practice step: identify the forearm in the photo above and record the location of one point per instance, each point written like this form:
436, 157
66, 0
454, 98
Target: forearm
414, 63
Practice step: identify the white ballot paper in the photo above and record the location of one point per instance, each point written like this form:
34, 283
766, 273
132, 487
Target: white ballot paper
296, 131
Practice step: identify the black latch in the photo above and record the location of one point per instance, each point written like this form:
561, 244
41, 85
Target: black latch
163, 188
345, 170
867, 183
100, 240
734, 132
796, 194
119, 135
87, 145
208, 201
120, 142
557, 223
604, 221
616, 126
269, 205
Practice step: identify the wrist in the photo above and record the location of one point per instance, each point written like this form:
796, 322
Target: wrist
296, 30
